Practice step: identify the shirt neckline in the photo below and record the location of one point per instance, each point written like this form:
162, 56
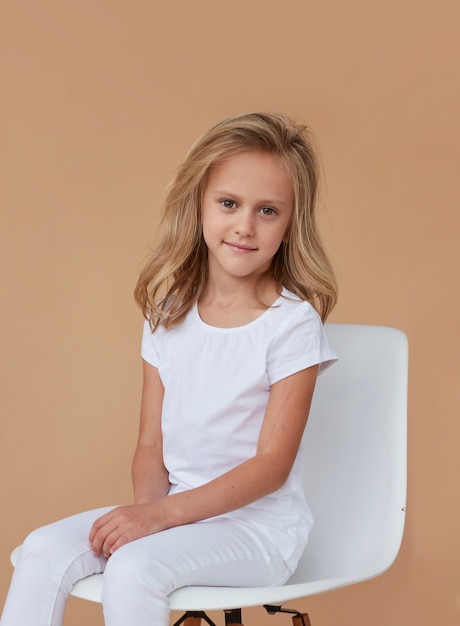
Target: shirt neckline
243, 327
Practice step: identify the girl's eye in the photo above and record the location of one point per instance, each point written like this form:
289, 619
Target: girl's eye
228, 204
267, 210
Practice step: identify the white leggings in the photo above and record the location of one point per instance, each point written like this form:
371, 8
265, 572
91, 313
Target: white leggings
140, 575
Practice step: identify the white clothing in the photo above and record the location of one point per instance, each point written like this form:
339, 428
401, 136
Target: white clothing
217, 383
139, 576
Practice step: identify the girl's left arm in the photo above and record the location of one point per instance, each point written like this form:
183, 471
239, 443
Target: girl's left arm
282, 429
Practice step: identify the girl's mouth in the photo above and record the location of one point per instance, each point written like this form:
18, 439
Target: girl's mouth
239, 248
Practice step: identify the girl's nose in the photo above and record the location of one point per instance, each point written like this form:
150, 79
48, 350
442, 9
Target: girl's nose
244, 224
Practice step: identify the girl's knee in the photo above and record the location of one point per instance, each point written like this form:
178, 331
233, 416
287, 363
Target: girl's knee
37, 542
129, 569
54, 543
38, 555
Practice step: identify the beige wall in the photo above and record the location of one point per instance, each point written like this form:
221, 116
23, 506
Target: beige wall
99, 102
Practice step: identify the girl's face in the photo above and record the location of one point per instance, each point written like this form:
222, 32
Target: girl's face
247, 205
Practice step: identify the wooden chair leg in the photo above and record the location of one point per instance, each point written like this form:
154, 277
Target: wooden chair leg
303, 620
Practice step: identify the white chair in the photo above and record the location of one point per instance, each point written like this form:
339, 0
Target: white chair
355, 480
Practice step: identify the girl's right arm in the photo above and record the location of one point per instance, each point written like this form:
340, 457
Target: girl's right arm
150, 477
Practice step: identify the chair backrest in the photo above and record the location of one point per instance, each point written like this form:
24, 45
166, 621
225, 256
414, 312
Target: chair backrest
355, 456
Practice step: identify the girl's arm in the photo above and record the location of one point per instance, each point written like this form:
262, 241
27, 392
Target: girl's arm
150, 478
278, 443
282, 429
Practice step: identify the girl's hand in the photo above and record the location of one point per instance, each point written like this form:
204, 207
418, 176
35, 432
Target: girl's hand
122, 525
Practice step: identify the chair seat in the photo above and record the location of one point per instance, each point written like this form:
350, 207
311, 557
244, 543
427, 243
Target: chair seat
217, 598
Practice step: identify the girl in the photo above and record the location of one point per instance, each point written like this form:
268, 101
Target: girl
233, 297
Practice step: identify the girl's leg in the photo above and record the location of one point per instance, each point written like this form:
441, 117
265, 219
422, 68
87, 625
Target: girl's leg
51, 560
140, 576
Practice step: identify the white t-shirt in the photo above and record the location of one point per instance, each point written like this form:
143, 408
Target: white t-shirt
217, 383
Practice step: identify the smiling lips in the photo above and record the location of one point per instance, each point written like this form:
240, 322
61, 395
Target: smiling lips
239, 248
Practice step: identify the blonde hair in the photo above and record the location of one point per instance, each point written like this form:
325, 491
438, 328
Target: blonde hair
175, 275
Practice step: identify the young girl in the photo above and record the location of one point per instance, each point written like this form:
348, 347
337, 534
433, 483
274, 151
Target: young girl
233, 297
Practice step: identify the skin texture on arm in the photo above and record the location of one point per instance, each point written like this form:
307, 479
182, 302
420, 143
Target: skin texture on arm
279, 439
150, 478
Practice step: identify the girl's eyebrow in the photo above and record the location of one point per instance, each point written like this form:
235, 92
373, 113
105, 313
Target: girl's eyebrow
226, 194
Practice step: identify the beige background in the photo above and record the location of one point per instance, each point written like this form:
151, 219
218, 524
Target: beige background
99, 102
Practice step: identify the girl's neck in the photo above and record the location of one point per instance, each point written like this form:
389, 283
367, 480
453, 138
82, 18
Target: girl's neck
228, 308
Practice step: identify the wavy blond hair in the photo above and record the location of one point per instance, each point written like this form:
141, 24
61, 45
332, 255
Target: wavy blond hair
175, 275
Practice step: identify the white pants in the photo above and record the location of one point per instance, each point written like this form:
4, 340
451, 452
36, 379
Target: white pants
140, 575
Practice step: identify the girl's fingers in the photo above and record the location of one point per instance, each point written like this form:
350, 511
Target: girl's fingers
117, 542
98, 524
119, 526
109, 543
102, 536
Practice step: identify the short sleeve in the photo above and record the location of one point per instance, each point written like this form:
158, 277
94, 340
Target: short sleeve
149, 349
300, 343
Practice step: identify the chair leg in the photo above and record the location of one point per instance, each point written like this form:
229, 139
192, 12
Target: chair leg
233, 617
193, 618
298, 619
301, 620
